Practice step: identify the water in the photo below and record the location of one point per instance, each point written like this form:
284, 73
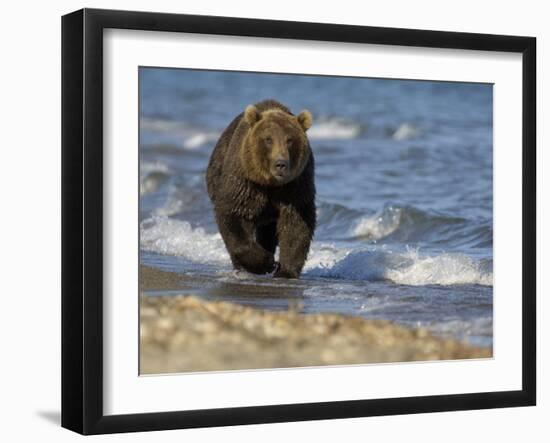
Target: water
404, 195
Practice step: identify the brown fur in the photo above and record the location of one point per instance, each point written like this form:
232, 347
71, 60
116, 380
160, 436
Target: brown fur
259, 206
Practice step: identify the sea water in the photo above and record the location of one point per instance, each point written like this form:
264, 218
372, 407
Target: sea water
404, 195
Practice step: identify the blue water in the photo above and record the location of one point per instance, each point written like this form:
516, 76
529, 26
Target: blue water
404, 195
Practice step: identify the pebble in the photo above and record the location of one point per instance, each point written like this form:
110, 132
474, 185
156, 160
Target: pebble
185, 333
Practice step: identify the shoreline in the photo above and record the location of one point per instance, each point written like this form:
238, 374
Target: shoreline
184, 333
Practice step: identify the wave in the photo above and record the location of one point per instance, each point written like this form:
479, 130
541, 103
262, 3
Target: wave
410, 224
200, 139
334, 220
174, 203
334, 128
168, 236
402, 224
405, 131
151, 176
192, 136
379, 225
175, 237
409, 268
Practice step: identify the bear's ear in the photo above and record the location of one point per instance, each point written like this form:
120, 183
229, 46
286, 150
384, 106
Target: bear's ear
251, 115
305, 119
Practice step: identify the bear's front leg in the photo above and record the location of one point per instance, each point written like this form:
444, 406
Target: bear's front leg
295, 229
239, 238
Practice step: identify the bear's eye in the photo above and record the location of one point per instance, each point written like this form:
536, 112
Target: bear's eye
268, 141
289, 141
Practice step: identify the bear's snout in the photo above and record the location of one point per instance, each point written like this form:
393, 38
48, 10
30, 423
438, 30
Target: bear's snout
281, 165
280, 169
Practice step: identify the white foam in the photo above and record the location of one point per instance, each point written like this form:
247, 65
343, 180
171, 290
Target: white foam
159, 125
151, 174
324, 256
405, 131
199, 139
174, 204
174, 237
409, 268
444, 269
146, 167
380, 225
192, 137
333, 129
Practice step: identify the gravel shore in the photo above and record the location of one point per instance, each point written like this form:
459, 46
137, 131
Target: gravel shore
186, 334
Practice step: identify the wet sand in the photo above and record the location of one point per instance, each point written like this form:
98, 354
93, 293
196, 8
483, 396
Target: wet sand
183, 333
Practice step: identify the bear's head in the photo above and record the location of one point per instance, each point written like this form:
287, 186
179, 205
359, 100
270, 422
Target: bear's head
276, 149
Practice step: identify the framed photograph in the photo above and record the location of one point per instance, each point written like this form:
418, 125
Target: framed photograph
269, 221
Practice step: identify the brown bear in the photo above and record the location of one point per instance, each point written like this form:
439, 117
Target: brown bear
260, 179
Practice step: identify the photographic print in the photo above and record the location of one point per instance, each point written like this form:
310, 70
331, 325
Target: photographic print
294, 220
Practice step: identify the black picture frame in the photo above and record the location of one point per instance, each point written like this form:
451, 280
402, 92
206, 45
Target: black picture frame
82, 219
